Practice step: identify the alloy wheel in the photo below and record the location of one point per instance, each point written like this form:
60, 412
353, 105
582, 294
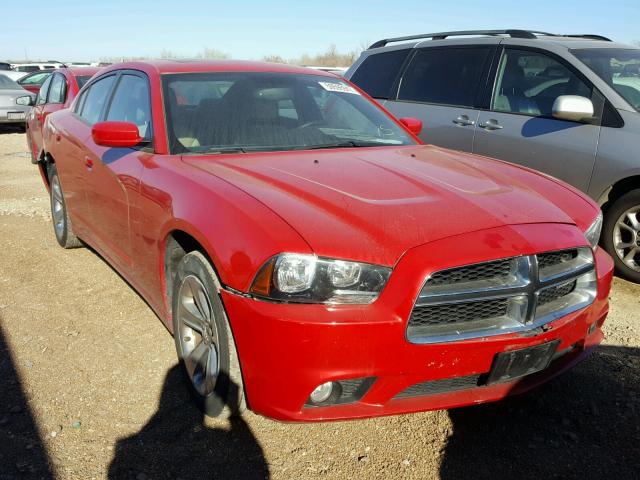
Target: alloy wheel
626, 238
57, 207
198, 335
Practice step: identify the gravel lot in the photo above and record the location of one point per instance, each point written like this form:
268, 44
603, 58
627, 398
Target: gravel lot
89, 389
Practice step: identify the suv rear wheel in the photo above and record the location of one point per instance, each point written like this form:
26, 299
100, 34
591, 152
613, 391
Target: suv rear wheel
621, 235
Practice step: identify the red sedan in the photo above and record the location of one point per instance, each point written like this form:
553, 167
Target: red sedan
57, 91
312, 259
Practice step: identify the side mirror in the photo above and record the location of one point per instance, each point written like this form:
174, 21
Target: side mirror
413, 125
116, 134
26, 101
573, 108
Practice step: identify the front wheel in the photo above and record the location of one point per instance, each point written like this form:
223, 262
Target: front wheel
204, 341
621, 235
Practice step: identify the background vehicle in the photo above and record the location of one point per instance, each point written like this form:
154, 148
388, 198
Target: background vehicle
243, 201
13, 75
57, 92
33, 81
34, 67
12, 113
566, 105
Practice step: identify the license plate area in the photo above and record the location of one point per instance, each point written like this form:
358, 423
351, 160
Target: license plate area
514, 364
16, 115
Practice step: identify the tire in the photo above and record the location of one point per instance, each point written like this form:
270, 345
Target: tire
621, 235
62, 227
200, 327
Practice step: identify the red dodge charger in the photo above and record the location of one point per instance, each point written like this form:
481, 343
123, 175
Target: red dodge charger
313, 260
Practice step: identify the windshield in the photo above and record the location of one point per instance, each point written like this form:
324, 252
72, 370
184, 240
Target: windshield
257, 111
7, 84
619, 67
82, 79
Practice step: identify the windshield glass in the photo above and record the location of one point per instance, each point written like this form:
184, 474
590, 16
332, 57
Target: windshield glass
7, 84
258, 111
619, 67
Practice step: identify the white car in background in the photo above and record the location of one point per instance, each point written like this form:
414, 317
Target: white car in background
15, 102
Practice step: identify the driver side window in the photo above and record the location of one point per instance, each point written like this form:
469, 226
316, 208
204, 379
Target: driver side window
529, 82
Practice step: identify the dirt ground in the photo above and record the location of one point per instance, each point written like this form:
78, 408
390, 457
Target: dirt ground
89, 389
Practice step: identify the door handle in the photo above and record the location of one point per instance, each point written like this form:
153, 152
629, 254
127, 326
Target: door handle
464, 121
491, 125
88, 162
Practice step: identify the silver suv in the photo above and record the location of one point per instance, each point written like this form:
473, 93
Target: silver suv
567, 105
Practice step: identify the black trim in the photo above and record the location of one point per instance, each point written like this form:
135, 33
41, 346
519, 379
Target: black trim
513, 33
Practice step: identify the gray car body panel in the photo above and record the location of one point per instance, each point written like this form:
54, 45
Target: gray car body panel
590, 157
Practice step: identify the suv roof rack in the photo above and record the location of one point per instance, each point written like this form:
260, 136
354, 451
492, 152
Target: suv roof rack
513, 33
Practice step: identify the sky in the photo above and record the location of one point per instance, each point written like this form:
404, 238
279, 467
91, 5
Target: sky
86, 30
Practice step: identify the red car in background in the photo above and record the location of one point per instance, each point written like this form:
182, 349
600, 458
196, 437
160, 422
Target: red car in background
57, 91
33, 81
311, 257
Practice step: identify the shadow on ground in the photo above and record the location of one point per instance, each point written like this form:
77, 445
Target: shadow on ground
22, 453
176, 443
585, 424
11, 129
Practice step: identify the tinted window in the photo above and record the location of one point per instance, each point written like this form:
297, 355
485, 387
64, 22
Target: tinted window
7, 84
42, 94
378, 72
82, 79
529, 83
95, 99
131, 104
57, 90
259, 111
447, 76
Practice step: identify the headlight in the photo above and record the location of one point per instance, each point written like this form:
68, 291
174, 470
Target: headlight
292, 277
593, 232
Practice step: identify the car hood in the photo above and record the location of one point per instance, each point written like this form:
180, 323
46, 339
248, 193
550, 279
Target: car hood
372, 204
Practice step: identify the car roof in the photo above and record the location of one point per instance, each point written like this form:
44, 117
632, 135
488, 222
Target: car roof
81, 71
536, 38
200, 66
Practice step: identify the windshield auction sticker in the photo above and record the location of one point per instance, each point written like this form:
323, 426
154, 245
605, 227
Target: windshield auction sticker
338, 87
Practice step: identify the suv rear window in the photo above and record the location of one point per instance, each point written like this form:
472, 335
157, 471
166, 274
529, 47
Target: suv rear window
378, 72
445, 76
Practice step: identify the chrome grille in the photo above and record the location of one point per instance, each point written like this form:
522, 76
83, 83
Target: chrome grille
502, 296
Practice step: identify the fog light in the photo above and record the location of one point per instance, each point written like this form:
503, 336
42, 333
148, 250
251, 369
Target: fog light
322, 393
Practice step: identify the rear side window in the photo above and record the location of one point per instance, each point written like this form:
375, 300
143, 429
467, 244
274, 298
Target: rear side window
131, 104
378, 72
58, 89
445, 76
94, 100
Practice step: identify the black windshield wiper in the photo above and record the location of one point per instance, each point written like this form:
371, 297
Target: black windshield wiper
347, 144
224, 150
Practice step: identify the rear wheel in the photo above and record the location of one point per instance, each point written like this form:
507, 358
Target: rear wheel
621, 235
204, 341
59, 214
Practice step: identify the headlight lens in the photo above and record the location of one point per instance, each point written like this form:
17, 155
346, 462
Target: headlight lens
292, 277
593, 232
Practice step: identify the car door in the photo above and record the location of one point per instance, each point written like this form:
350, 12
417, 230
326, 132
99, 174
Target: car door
519, 126
113, 174
440, 86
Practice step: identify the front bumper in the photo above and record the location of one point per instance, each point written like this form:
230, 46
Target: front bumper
286, 350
